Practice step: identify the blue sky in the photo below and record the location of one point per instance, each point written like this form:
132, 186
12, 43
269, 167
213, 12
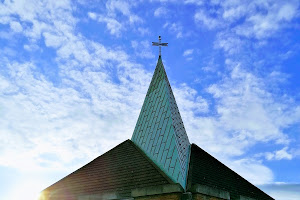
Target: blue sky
74, 74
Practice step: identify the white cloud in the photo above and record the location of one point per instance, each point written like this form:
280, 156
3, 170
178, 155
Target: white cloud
31, 12
142, 49
143, 31
206, 20
188, 52
31, 47
124, 8
116, 5
16, 26
230, 43
112, 25
53, 40
189, 102
40, 118
279, 155
66, 120
161, 11
175, 28
283, 154
252, 170
234, 11
246, 106
245, 114
255, 19
196, 2
115, 24
264, 24
8, 51
92, 15
282, 191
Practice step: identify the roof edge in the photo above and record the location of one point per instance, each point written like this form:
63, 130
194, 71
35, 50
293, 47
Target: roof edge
85, 165
196, 146
188, 168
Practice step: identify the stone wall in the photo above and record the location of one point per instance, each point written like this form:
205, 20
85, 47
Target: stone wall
176, 192
178, 196
205, 197
175, 196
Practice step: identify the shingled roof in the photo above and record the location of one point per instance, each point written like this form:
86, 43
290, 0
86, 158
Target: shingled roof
119, 170
204, 169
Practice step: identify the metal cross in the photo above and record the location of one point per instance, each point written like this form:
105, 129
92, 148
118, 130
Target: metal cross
159, 44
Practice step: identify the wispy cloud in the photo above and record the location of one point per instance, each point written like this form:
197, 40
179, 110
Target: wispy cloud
279, 154
245, 114
196, 2
114, 23
142, 49
43, 121
283, 190
229, 43
252, 170
15, 26
188, 52
175, 28
261, 25
257, 19
143, 31
114, 27
114, 6
161, 11
206, 20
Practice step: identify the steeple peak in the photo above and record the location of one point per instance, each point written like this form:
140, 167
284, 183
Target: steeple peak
160, 132
159, 44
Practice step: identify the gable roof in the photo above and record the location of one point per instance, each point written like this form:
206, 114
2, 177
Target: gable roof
159, 131
119, 170
204, 169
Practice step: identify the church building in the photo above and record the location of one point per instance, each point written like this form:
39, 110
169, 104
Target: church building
158, 162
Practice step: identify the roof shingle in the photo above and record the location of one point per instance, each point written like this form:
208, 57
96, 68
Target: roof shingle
204, 169
120, 170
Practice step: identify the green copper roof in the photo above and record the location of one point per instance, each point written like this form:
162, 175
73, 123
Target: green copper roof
160, 132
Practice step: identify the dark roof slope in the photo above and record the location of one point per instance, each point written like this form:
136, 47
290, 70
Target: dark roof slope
204, 169
121, 169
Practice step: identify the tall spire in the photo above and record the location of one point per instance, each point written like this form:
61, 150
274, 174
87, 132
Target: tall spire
160, 132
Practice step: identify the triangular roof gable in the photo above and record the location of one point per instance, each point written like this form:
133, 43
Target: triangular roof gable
119, 170
206, 170
159, 131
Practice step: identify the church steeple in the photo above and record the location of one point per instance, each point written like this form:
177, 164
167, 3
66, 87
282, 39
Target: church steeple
160, 132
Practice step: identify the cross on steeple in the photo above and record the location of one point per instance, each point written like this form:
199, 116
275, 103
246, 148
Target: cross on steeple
159, 44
